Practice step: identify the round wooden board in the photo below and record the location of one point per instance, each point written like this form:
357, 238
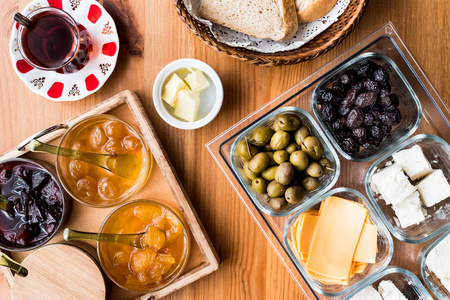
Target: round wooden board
60, 271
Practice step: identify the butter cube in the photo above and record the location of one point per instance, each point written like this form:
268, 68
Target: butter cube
171, 89
413, 162
187, 105
409, 211
434, 188
197, 81
393, 184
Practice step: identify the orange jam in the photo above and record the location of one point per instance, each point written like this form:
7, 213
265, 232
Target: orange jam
165, 246
92, 184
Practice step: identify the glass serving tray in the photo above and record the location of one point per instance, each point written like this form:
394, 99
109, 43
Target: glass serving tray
434, 121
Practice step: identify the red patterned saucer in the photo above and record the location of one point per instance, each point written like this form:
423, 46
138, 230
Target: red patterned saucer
74, 86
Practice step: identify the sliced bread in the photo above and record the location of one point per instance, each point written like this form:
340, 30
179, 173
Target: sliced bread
265, 19
310, 10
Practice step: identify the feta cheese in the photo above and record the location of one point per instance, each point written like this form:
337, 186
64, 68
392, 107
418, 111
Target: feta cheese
434, 188
197, 81
369, 293
187, 105
409, 211
389, 291
413, 162
171, 89
393, 184
438, 261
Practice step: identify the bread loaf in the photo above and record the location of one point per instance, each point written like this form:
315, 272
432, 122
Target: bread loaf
310, 10
265, 19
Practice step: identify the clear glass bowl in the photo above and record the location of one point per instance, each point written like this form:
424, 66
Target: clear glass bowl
436, 150
410, 107
404, 280
326, 181
385, 245
431, 280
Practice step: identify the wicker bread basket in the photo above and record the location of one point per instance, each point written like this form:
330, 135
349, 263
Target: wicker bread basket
319, 45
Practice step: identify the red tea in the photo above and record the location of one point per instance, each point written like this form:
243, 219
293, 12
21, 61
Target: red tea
54, 42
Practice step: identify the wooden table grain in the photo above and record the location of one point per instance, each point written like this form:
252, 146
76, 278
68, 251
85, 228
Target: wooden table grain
152, 35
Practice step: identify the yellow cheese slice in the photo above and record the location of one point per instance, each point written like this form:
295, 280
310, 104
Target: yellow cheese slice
337, 234
367, 245
306, 233
360, 267
328, 280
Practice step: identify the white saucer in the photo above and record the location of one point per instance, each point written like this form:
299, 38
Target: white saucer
75, 86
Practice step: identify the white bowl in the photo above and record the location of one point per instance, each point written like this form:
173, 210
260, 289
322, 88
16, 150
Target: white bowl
210, 100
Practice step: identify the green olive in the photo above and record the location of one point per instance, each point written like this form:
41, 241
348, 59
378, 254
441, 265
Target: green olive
314, 170
266, 198
313, 147
278, 203
260, 185
281, 156
326, 165
284, 173
276, 127
274, 189
272, 162
267, 147
292, 148
280, 140
288, 122
310, 183
301, 134
269, 174
261, 136
251, 175
295, 194
299, 160
246, 150
259, 163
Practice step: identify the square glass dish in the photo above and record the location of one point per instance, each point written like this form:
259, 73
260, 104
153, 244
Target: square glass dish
410, 107
404, 280
326, 180
434, 121
437, 220
385, 245
431, 280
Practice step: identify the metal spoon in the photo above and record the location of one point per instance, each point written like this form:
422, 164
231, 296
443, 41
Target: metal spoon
13, 265
133, 240
28, 24
125, 165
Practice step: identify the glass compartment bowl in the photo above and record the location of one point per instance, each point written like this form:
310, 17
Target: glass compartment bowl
92, 185
385, 245
437, 152
410, 107
135, 217
404, 280
326, 181
430, 279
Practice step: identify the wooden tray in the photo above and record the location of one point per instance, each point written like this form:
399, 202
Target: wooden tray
163, 185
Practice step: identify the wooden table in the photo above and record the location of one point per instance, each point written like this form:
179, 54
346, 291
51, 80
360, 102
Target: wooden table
152, 36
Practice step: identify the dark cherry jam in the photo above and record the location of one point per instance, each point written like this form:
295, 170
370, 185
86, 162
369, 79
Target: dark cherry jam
37, 204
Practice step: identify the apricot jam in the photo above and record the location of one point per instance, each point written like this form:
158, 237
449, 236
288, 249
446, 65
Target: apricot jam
165, 252
94, 185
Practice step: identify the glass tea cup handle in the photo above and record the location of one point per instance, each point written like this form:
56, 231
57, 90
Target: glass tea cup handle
23, 144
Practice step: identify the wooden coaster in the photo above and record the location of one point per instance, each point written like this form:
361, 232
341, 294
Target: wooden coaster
60, 271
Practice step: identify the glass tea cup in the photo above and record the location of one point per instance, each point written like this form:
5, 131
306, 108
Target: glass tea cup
54, 41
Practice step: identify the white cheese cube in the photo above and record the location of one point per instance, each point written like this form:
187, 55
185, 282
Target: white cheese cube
369, 293
438, 261
389, 291
413, 162
197, 81
434, 188
171, 89
393, 184
187, 105
409, 211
